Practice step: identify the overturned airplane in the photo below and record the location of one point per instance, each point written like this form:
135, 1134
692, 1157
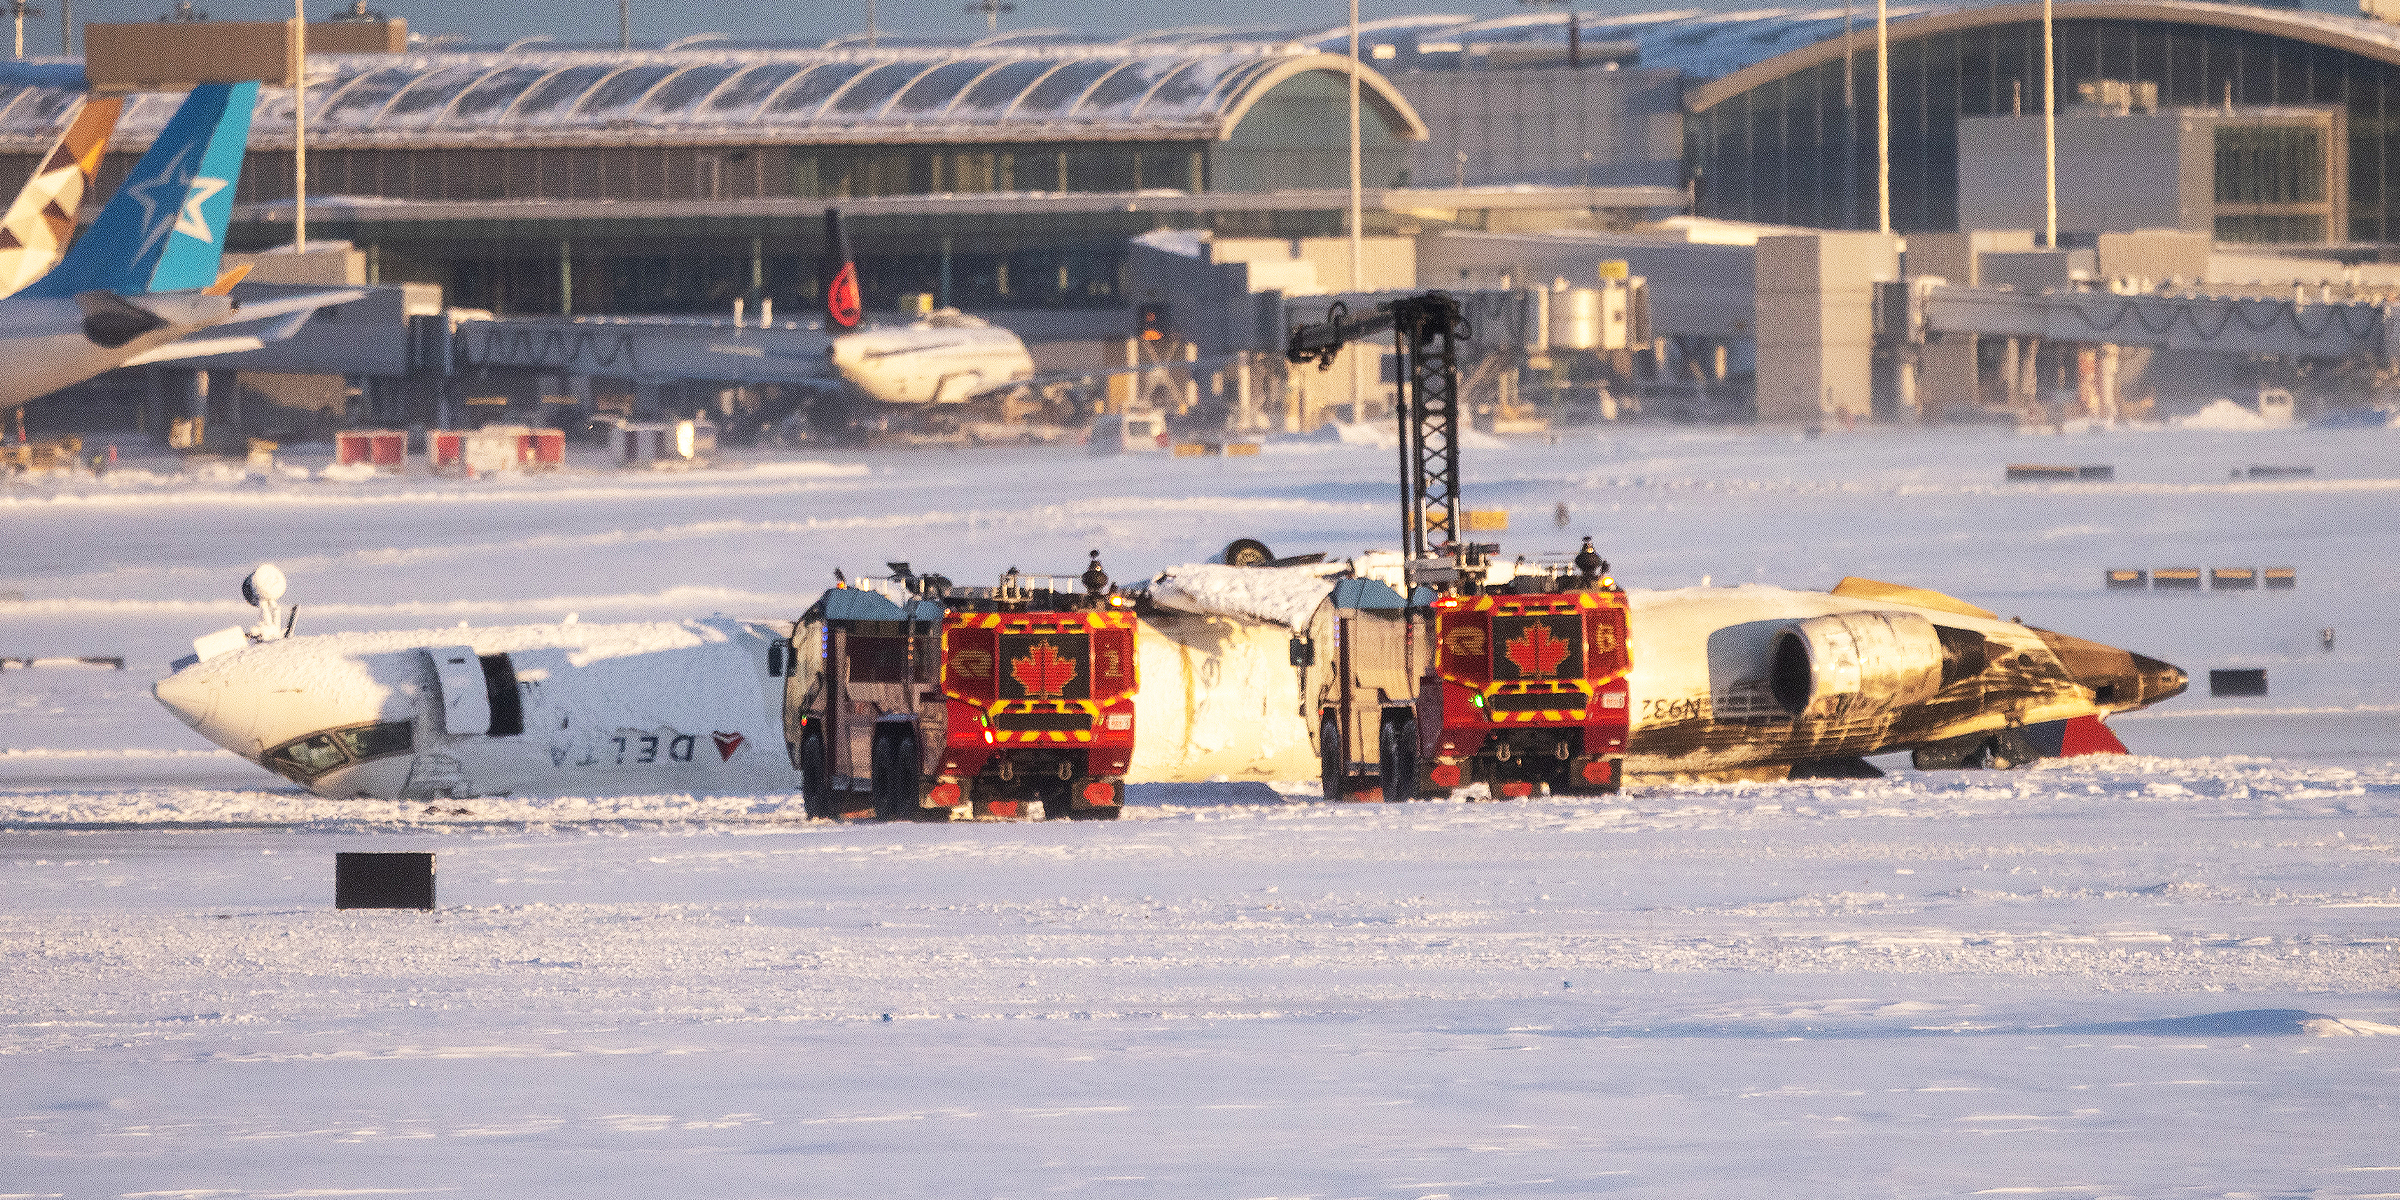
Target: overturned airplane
1257, 673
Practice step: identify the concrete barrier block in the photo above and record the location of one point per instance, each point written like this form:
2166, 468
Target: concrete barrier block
382, 880
2239, 681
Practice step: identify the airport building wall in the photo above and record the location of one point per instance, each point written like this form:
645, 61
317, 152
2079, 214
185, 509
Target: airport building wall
1791, 140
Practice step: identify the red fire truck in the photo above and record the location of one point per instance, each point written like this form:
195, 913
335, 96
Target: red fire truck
1040, 684
1527, 684
963, 702
1528, 688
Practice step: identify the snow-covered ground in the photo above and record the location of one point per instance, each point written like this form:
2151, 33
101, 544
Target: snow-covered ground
2105, 977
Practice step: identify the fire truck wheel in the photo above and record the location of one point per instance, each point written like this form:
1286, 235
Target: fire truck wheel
816, 776
895, 778
1058, 804
1333, 766
1398, 751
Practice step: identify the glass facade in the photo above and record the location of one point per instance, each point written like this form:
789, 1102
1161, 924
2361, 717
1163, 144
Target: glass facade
1800, 150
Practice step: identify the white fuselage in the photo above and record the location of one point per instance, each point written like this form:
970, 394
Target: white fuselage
43, 341
690, 706
604, 709
932, 362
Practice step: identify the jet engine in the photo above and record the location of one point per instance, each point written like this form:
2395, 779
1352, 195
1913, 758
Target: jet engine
1855, 664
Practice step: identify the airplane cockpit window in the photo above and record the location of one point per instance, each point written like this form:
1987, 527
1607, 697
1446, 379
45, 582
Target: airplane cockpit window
303, 759
309, 757
375, 741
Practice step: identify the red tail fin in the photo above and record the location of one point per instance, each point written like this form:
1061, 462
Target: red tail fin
2089, 735
841, 295
841, 299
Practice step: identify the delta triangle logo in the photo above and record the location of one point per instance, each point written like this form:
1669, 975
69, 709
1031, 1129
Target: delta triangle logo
1043, 671
727, 743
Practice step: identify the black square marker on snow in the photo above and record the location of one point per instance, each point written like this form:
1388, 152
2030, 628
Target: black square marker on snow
383, 881
2246, 681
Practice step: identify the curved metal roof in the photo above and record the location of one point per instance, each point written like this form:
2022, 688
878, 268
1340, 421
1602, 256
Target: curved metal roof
1191, 82
2357, 35
704, 94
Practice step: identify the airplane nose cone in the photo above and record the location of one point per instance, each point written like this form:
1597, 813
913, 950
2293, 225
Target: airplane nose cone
191, 700
2120, 680
2159, 680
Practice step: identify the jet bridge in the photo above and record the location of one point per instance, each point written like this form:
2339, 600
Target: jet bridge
648, 349
2298, 325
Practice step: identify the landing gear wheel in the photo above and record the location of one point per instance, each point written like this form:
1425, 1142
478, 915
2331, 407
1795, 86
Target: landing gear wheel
816, 777
1247, 552
1397, 747
1333, 766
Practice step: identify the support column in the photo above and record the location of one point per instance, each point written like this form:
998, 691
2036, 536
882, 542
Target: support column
1245, 417
566, 279
944, 300
2109, 357
154, 402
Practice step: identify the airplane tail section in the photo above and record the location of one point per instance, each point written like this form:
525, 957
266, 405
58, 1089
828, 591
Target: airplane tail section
164, 230
841, 295
35, 233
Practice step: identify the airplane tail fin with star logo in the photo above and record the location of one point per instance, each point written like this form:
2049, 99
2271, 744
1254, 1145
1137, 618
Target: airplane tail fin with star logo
164, 230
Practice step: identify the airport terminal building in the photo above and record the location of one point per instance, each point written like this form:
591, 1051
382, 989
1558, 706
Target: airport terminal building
1006, 174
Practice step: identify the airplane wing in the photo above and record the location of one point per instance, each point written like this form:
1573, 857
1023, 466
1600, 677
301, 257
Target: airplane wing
294, 312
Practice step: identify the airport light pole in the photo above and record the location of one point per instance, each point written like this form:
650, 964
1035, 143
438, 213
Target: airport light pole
299, 127
2049, 132
1358, 252
991, 10
21, 10
624, 24
1883, 115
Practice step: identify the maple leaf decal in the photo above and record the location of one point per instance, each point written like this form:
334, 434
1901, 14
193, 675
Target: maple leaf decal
1537, 651
1043, 671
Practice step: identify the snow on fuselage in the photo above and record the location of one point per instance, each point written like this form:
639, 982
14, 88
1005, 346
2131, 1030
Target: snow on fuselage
620, 709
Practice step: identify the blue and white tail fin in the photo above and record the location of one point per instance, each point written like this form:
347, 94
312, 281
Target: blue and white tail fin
164, 230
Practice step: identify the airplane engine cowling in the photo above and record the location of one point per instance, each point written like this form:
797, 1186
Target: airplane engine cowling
1854, 664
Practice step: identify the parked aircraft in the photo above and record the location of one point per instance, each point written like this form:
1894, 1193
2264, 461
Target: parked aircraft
145, 276
35, 233
945, 358
1726, 683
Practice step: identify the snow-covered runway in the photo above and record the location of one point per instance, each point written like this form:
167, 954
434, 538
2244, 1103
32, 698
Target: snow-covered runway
2108, 977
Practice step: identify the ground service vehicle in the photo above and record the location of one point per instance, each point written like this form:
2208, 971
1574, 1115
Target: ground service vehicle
1526, 687
861, 697
1360, 663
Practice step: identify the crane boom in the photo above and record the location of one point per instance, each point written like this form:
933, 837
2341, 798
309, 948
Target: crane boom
1426, 330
